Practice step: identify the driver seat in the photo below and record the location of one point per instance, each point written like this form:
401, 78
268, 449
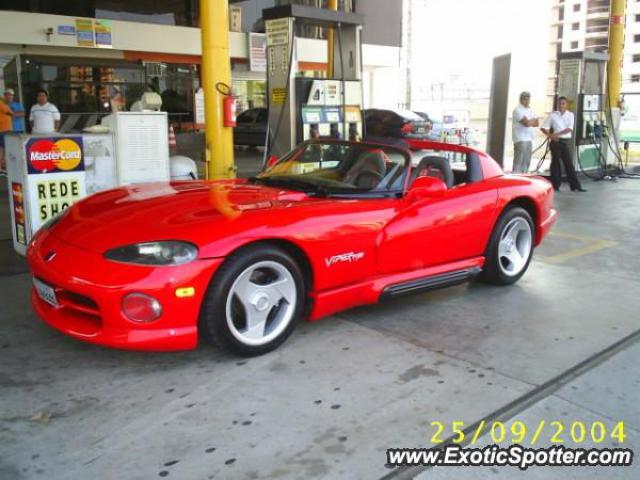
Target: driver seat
434, 166
372, 161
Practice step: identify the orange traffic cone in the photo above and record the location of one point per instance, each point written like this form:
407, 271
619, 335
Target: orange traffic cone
173, 144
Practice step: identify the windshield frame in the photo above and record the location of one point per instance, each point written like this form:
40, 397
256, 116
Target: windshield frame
326, 192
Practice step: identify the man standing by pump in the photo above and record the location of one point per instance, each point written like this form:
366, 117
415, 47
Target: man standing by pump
558, 127
524, 121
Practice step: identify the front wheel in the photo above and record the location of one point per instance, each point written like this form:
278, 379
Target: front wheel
510, 248
253, 302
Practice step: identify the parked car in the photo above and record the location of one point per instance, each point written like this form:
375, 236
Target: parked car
251, 127
424, 116
330, 226
395, 123
450, 129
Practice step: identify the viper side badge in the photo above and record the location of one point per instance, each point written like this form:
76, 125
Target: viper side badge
350, 257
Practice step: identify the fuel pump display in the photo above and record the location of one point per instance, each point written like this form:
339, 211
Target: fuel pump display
592, 116
322, 113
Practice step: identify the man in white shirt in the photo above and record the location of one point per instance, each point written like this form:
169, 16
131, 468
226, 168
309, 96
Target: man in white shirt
524, 119
44, 116
558, 127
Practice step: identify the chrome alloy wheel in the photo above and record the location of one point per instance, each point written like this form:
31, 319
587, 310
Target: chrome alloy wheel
515, 246
261, 303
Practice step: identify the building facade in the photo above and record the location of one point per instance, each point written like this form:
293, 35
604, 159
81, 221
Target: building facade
579, 25
97, 55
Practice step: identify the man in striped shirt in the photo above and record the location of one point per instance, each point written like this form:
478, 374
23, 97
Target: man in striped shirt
44, 116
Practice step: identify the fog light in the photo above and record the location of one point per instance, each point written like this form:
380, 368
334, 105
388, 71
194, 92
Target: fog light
141, 308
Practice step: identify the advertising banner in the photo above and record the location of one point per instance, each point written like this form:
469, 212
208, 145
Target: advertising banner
278, 31
66, 30
17, 194
102, 30
257, 52
84, 33
99, 162
56, 176
198, 108
51, 193
59, 154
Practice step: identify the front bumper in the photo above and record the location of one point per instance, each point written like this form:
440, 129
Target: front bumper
90, 290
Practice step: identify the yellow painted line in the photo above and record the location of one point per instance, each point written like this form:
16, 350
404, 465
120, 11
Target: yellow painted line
592, 245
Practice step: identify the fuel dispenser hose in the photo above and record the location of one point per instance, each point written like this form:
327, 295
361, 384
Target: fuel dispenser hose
545, 143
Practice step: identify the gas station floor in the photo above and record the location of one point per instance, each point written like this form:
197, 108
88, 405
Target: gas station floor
334, 397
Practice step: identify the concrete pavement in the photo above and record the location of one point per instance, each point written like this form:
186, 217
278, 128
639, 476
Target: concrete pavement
608, 393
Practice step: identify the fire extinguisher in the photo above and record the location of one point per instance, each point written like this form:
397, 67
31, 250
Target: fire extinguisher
228, 105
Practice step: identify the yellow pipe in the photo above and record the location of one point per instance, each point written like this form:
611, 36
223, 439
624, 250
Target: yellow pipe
331, 5
216, 68
616, 51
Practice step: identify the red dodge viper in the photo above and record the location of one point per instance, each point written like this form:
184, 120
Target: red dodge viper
330, 226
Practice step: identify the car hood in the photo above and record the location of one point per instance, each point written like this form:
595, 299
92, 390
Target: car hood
199, 212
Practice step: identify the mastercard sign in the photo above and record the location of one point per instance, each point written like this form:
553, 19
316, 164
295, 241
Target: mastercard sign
51, 155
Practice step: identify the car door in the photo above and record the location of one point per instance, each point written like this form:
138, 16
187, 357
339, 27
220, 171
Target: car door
436, 231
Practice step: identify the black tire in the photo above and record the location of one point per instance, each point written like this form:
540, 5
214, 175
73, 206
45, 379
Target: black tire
213, 326
492, 272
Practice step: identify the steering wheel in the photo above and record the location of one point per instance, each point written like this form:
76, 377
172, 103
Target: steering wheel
369, 179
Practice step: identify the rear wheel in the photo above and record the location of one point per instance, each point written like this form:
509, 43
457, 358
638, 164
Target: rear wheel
510, 248
253, 302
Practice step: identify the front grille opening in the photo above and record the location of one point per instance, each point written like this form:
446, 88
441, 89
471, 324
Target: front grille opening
79, 300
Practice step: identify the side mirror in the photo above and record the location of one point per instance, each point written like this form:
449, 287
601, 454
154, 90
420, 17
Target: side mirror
426, 187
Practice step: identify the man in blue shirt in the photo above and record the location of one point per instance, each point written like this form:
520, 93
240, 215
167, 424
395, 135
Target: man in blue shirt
17, 109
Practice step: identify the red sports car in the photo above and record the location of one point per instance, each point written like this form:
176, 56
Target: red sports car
330, 226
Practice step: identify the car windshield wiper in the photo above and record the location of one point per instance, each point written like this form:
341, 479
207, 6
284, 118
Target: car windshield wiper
292, 183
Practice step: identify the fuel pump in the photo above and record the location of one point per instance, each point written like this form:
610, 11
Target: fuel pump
303, 108
581, 80
318, 102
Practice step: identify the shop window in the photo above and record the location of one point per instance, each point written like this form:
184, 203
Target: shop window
176, 86
84, 93
250, 94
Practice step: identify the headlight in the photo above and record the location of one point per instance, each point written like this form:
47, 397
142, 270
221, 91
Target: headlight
170, 252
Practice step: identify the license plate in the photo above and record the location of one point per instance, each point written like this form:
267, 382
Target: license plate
45, 292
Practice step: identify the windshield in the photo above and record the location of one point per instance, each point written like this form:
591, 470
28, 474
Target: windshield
340, 168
